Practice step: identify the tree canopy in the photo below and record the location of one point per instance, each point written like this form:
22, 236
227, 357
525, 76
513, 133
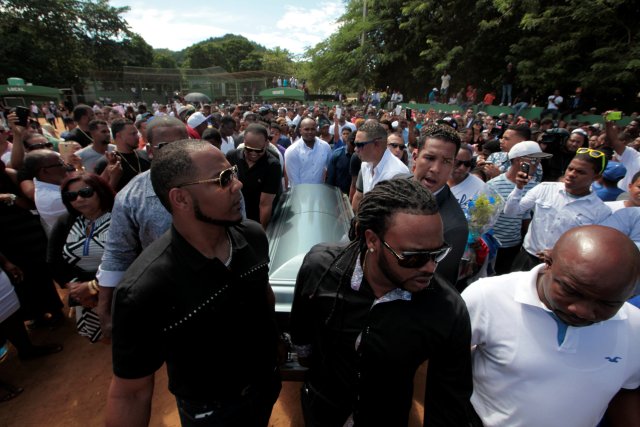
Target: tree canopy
552, 44
55, 42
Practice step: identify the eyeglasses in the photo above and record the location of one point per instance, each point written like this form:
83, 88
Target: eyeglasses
596, 154
71, 196
363, 143
466, 163
224, 179
394, 145
253, 150
417, 259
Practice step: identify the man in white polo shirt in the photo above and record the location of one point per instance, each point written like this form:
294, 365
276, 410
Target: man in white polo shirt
557, 345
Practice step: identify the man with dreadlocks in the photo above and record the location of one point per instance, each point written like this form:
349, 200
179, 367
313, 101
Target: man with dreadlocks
365, 316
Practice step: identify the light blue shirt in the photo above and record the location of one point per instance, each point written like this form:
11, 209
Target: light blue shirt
627, 221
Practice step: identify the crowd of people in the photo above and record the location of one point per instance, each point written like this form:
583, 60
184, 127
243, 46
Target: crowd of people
153, 220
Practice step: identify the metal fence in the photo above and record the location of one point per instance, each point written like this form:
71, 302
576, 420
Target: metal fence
161, 84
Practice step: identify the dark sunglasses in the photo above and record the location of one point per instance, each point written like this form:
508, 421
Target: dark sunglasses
71, 196
467, 163
254, 150
393, 145
224, 179
363, 143
417, 259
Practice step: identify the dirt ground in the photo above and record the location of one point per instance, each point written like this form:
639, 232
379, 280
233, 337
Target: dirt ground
69, 389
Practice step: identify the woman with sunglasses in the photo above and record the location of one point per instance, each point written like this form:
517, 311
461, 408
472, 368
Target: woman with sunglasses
76, 245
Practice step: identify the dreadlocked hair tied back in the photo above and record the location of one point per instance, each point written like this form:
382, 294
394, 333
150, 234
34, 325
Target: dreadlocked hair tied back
389, 197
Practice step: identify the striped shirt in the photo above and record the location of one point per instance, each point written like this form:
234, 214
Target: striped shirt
507, 228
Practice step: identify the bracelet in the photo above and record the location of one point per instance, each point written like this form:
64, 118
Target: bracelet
93, 287
12, 200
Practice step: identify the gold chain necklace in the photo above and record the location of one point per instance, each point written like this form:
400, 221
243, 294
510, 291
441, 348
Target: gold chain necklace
137, 171
85, 134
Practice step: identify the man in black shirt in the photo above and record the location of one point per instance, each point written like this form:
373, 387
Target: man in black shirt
199, 299
259, 171
82, 115
127, 162
365, 316
437, 149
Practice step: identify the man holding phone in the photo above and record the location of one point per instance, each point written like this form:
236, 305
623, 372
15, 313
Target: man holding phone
524, 157
558, 206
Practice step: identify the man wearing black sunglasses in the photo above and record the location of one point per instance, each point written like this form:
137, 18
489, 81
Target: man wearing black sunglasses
464, 185
259, 171
48, 171
365, 316
378, 163
198, 299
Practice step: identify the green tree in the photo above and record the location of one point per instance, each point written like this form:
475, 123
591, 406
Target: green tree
55, 42
231, 52
164, 60
408, 43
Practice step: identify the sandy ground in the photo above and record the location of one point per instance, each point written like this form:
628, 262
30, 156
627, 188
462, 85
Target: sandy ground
69, 388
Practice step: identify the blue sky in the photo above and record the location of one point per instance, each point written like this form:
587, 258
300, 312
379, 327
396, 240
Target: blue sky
177, 24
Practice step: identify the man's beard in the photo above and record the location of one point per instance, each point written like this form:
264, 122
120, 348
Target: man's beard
207, 219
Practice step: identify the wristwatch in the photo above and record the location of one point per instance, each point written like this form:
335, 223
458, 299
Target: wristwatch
12, 200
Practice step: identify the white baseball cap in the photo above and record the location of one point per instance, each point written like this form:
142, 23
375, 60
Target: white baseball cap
528, 149
196, 119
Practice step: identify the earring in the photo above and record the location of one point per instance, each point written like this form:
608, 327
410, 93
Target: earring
371, 250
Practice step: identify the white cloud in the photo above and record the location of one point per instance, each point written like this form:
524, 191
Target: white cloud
176, 25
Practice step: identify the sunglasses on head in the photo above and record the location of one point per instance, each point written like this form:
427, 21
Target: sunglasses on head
596, 154
363, 143
254, 150
223, 180
71, 196
467, 163
416, 259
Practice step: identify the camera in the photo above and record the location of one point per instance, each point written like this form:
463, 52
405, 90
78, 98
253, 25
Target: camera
554, 136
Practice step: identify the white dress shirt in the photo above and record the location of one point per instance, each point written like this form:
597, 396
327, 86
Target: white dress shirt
556, 211
48, 203
306, 165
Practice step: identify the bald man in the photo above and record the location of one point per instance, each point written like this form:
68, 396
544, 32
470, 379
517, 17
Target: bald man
557, 345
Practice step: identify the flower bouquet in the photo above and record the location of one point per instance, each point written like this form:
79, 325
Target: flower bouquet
482, 213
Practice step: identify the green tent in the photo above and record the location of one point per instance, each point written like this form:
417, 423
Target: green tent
282, 93
17, 93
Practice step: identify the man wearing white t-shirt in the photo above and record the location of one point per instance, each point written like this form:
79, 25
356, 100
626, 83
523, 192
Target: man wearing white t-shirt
227, 128
444, 86
557, 345
464, 185
553, 107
